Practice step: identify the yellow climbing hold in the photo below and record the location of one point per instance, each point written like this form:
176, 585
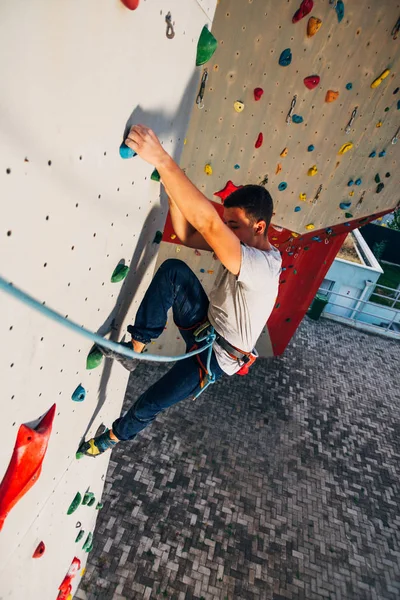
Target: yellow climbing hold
178, 249
346, 147
303, 196
208, 170
210, 271
379, 124
351, 193
173, 236
284, 153
313, 26
185, 141
238, 106
83, 571
278, 168
294, 234
379, 79
310, 226
312, 171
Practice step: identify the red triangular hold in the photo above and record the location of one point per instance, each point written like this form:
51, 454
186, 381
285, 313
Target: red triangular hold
39, 550
312, 81
259, 140
131, 4
305, 7
258, 92
227, 190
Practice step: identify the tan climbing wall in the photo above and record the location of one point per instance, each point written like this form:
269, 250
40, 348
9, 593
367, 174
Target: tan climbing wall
251, 36
71, 210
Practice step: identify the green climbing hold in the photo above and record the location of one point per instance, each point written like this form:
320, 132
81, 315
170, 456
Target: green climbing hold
158, 237
87, 498
99, 506
88, 545
80, 535
206, 46
91, 501
377, 178
119, 273
348, 215
155, 176
94, 358
74, 504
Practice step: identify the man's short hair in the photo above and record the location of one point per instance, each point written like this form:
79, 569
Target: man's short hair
256, 202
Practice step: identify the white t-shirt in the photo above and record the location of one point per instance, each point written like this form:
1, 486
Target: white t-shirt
240, 305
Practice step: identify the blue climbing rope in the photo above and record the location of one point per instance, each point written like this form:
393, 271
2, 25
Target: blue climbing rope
208, 338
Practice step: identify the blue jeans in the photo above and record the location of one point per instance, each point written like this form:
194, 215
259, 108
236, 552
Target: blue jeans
174, 285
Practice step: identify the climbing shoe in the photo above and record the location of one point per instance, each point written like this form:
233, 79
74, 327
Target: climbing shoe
96, 445
128, 363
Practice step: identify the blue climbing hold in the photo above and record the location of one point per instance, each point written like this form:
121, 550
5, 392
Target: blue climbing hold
398, 104
310, 148
339, 10
396, 90
358, 181
202, 270
349, 86
282, 186
285, 58
345, 205
125, 151
347, 224
297, 209
329, 231
297, 119
79, 394
350, 183
382, 154
373, 154
236, 167
316, 238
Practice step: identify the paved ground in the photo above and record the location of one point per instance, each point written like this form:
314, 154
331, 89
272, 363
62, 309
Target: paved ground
282, 484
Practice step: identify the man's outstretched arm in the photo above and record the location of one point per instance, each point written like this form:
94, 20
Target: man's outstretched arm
194, 206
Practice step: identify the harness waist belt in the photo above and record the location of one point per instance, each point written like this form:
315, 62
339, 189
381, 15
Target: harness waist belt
231, 349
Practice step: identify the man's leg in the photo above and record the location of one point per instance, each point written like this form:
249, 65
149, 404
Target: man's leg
174, 285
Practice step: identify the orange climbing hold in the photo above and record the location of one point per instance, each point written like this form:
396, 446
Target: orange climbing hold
278, 168
131, 4
226, 191
304, 9
65, 588
259, 140
284, 153
26, 463
313, 26
331, 96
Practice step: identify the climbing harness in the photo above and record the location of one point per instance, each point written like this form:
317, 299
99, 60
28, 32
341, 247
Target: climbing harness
290, 113
200, 95
170, 33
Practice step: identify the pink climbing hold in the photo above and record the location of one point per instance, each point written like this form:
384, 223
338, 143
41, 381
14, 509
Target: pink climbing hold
259, 140
305, 7
258, 92
131, 4
311, 81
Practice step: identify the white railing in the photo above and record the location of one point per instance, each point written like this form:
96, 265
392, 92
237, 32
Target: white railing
387, 318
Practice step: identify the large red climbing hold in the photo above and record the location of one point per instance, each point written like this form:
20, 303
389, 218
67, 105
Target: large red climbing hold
227, 190
39, 550
312, 81
305, 7
65, 588
259, 140
26, 463
131, 4
258, 92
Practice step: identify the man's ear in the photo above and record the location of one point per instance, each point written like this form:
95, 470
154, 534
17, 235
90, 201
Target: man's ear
260, 227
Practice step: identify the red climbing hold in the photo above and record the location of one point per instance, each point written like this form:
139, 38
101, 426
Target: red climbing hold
311, 81
227, 190
65, 588
39, 550
26, 463
131, 4
303, 10
259, 140
258, 92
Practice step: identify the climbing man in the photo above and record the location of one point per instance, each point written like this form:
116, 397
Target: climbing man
238, 307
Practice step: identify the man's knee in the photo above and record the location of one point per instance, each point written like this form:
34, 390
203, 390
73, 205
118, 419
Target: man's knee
175, 265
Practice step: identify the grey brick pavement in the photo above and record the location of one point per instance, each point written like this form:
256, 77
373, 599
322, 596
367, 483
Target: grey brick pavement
282, 484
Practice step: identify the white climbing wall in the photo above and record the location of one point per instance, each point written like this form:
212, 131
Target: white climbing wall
72, 73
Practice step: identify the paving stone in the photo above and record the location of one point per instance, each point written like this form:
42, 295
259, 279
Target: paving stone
282, 484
